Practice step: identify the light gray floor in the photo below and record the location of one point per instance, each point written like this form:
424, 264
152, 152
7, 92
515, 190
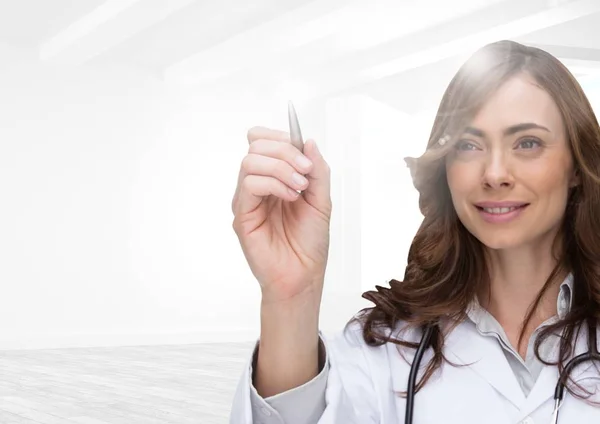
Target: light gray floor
184, 384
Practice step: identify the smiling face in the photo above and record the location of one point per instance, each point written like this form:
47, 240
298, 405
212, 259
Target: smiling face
514, 153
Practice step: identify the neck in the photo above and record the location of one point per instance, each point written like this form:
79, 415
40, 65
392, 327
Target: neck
516, 278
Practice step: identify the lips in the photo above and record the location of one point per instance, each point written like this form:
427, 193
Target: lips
496, 213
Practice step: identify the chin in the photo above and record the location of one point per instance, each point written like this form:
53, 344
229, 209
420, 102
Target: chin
499, 239
500, 243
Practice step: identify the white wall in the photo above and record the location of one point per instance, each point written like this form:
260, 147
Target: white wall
109, 210
71, 143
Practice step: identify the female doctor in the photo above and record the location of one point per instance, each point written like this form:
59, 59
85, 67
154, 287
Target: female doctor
502, 285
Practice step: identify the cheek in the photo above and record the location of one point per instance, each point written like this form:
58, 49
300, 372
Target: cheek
462, 180
549, 180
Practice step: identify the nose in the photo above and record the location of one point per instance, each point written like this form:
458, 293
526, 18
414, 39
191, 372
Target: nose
496, 173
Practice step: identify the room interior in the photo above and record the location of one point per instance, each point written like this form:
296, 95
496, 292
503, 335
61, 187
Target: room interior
125, 295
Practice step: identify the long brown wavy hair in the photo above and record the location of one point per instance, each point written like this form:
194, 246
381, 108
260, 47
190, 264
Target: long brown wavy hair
446, 265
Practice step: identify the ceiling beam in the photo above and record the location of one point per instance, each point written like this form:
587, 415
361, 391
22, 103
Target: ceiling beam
108, 25
462, 36
292, 28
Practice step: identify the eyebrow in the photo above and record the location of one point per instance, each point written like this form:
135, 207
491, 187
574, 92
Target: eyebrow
508, 131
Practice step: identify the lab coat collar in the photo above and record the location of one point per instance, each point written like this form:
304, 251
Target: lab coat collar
463, 346
467, 345
482, 355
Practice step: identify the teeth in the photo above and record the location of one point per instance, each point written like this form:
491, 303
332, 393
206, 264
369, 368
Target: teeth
500, 210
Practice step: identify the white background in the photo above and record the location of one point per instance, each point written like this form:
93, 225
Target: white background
123, 124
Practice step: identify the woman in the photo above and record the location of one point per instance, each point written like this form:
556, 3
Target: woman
504, 272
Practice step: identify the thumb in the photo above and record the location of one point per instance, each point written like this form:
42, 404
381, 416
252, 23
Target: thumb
318, 192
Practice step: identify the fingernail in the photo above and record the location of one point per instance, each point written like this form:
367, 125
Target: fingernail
303, 161
298, 179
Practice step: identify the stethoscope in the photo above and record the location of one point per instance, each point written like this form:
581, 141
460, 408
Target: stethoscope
591, 355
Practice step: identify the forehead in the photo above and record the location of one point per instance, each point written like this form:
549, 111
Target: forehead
519, 100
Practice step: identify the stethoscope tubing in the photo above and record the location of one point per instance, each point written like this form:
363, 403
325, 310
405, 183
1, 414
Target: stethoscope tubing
414, 370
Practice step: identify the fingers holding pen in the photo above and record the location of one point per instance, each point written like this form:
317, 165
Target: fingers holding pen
291, 175
281, 150
268, 169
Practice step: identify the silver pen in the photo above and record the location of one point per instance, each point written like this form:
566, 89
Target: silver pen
295, 133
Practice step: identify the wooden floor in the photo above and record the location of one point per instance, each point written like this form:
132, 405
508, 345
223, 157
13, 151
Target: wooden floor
185, 384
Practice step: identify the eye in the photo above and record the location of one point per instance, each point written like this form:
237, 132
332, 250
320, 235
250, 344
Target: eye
529, 143
464, 145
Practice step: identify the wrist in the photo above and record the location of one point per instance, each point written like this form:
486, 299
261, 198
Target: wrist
277, 299
293, 318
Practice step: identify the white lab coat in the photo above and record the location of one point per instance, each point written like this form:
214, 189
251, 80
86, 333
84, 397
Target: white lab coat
362, 380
